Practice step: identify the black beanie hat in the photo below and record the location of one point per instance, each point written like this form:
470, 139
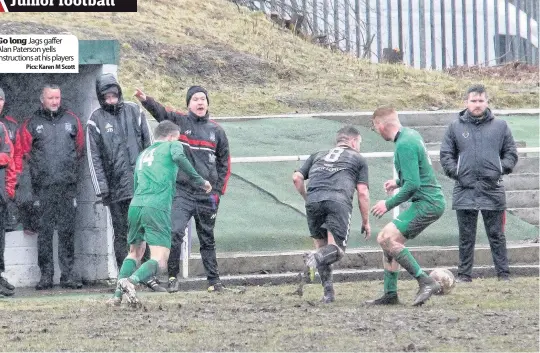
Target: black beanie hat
196, 89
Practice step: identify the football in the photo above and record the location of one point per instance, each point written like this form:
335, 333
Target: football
445, 278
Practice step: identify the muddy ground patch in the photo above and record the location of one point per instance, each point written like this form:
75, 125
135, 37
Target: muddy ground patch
485, 315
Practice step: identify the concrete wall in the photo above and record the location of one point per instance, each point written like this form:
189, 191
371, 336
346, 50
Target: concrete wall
94, 259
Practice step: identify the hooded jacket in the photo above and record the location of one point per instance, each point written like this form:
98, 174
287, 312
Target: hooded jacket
205, 145
476, 153
115, 135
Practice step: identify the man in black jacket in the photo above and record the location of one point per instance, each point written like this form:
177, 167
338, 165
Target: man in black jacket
116, 133
52, 141
207, 148
476, 152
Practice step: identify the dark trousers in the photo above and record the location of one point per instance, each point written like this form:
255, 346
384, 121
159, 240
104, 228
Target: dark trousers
3, 218
29, 216
57, 207
494, 224
119, 212
204, 212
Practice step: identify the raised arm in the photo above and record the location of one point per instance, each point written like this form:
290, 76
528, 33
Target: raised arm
158, 111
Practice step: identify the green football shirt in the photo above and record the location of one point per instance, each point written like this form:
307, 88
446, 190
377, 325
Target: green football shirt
155, 174
416, 177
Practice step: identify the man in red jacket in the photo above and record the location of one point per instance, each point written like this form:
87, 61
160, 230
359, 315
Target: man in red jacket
11, 125
7, 190
52, 141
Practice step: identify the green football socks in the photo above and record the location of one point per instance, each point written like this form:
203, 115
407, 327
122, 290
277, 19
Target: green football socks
128, 267
145, 272
390, 281
408, 262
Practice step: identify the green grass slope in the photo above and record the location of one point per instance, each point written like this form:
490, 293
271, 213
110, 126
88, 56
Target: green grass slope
252, 67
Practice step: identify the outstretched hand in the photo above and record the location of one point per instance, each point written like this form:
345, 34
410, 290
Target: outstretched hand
389, 186
140, 95
379, 209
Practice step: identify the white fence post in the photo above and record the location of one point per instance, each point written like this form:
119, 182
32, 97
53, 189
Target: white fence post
186, 249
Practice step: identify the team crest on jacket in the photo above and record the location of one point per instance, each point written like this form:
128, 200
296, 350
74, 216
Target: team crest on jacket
109, 127
212, 137
211, 158
465, 134
39, 129
67, 127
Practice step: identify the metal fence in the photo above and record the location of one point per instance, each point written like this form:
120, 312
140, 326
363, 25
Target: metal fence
422, 33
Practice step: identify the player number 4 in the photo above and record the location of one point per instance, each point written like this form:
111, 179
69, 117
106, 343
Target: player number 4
146, 158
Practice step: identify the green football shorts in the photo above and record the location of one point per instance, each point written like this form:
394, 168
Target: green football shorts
150, 225
417, 217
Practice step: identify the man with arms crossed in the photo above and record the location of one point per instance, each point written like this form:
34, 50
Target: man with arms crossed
417, 183
333, 176
149, 214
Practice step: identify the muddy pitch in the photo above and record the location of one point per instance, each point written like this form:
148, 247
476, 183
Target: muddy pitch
485, 315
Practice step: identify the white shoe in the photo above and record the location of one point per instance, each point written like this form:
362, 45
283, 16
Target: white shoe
129, 290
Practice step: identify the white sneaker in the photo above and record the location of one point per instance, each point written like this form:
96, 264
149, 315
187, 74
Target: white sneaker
129, 290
